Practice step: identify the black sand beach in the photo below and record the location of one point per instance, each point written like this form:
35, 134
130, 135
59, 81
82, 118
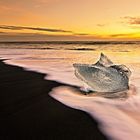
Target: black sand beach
28, 112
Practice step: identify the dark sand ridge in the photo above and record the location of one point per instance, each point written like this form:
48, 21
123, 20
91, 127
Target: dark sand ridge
28, 112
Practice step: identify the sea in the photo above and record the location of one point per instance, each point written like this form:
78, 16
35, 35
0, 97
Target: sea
118, 119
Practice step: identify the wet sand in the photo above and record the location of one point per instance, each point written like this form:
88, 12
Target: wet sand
28, 112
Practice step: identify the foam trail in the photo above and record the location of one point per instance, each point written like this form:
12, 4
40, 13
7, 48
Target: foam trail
118, 119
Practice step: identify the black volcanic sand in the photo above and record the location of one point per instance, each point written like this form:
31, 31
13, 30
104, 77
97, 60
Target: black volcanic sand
28, 112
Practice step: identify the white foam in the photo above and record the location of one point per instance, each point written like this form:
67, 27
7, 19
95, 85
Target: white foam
118, 119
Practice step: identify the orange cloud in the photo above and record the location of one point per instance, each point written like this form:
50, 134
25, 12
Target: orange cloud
33, 28
121, 35
101, 25
133, 20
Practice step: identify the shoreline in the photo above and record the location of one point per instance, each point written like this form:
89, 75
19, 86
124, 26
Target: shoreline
28, 112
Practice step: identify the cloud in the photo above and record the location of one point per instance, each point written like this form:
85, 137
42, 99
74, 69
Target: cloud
33, 28
101, 25
46, 37
121, 35
2, 32
82, 34
132, 20
6, 27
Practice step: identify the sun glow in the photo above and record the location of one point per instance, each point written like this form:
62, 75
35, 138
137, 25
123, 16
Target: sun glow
88, 19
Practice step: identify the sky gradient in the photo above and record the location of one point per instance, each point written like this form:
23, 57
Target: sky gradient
69, 20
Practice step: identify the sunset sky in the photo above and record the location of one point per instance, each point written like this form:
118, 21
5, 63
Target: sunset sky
69, 20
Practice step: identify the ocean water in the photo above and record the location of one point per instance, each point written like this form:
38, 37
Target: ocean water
119, 119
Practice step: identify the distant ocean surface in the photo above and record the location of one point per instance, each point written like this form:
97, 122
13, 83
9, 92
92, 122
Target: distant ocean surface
73, 45
118, 119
